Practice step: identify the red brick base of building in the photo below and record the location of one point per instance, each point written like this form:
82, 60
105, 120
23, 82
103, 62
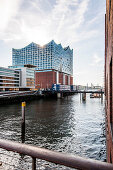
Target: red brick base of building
45, 79
71, 80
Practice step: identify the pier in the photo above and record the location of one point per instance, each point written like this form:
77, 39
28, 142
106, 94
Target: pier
19, 96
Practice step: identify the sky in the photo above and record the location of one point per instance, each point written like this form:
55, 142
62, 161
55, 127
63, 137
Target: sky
77, 23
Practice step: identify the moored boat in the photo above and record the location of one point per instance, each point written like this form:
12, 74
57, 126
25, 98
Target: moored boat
95, 95
91, 95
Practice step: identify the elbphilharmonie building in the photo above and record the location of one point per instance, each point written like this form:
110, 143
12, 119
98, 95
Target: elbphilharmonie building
53, 63
49, 56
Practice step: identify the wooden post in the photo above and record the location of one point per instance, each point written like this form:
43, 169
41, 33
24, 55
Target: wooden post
84, 96
101, 97
33, 163
23, 122
59, 95
80, 96
67, 96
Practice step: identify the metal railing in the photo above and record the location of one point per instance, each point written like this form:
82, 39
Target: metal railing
54, 157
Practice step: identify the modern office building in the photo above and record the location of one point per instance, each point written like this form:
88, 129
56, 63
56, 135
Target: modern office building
49, 56
54, 64
109, 78
20, 66
9, 79
27, 75
27, 78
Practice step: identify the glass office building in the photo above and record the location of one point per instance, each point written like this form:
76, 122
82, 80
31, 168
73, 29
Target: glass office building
9, 78
27, 75
49, 56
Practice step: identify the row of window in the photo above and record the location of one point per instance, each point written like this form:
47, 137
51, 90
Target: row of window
45, 57
8, 71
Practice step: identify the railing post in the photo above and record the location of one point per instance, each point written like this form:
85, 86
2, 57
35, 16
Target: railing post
23, 122
33, 163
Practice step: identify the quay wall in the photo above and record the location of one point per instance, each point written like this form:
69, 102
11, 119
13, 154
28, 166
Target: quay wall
18, 99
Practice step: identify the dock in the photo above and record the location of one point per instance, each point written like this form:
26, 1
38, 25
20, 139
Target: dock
8, 97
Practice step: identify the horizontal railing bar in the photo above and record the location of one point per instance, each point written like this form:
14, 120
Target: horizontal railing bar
55, 157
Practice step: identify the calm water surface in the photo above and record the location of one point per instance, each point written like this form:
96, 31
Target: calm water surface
68, 125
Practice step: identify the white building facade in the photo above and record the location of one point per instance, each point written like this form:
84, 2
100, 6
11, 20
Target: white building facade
27, 79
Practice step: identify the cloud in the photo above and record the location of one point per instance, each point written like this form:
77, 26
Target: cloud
69, 22
67, 17
8, 9
96, 18
96, 60
41, 22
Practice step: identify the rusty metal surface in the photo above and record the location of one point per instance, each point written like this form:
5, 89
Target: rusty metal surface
33, 163
55, 157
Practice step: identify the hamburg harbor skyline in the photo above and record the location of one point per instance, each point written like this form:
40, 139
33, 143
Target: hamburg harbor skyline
77, 23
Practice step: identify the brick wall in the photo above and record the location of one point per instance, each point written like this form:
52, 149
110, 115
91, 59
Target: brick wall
71, 80
45, 79
109, 78
61, 78
66, 80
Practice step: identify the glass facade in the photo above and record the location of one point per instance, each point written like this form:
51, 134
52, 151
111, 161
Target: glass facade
15, 67
30, 78
9, 78
27, 75
49, 56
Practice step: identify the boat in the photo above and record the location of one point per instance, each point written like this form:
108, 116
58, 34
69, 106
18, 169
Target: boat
92, 95
95, 95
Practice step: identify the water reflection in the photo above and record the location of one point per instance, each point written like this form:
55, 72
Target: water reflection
68, 125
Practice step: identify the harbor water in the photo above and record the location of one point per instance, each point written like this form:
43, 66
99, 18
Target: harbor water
66, 125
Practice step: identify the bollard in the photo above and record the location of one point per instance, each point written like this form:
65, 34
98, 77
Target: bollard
23, 122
